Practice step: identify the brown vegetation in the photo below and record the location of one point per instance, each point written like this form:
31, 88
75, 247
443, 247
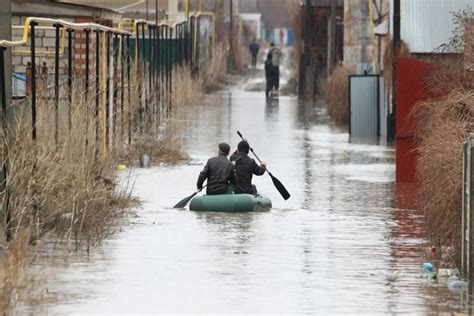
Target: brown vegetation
403, 51
12, 269
442, 127
337, 94
167, 148
66, 188
447, 74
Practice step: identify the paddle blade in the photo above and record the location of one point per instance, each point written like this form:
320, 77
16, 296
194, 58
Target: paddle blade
185, 201
280, 187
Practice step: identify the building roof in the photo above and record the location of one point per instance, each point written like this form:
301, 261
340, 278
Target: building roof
50, 8
322, 3
427, 24
122, 6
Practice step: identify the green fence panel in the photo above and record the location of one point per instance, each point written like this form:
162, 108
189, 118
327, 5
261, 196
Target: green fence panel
168, 54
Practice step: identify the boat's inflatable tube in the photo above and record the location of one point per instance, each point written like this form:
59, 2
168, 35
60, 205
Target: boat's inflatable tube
230, 203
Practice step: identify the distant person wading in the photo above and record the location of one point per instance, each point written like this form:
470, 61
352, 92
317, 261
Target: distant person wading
254, 49
272, 69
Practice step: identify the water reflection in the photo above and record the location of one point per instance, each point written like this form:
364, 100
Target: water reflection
271, 108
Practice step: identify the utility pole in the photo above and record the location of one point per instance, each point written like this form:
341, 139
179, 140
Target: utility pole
231, 36
392, 124
5, 100
304, 57
6, 34
156, 12
186, 9
146, 10
332, 37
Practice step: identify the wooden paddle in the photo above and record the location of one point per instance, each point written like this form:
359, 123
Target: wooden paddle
185, 201
278, 185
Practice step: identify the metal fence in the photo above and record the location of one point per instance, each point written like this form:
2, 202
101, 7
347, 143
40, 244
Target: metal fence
467, 268
122, 73
368, 108
364, 106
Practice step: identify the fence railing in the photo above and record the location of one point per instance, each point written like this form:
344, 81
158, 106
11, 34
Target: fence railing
125, 76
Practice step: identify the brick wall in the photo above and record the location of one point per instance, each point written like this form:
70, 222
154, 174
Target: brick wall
45, 43
469, 52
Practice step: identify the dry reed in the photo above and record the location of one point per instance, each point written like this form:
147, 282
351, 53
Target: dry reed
403, 51
66, 187
337, 94
442, 127
12, 270
166, 148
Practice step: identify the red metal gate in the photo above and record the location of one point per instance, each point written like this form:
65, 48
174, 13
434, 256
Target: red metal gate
410, 90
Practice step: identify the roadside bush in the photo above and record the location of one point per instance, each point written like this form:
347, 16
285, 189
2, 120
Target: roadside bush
442, 127
337, 94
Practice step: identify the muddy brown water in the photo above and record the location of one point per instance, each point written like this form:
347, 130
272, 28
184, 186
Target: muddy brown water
344, 243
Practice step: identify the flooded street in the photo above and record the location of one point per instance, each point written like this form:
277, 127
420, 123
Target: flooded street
340, 244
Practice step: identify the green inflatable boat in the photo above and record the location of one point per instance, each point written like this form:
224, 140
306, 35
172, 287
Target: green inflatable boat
230, 203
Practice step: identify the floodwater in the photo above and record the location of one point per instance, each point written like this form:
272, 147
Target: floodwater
347, 240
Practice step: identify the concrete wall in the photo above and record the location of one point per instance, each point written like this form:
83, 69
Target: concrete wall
357, 41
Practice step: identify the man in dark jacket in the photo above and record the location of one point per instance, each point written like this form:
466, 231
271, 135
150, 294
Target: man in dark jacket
219, 171
245, 168
269, 75
253, 49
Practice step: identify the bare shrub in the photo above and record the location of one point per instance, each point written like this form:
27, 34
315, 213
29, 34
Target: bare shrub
388, 54
337, 94
445, 75
442, 127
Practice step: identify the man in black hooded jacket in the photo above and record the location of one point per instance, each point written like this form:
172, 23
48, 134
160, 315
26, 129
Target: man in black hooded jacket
219, 172
245, 168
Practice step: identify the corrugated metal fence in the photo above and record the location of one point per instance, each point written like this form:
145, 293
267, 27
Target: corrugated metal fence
467, 210
368, 110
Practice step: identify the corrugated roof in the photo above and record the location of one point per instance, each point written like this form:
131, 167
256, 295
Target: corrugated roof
322, 3
427, 24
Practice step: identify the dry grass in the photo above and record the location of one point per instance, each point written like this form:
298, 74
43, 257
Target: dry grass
67, 189
61, 192
442, 127
337, 94
188, 89
166, 148
214, 74
403, 51
12, 269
